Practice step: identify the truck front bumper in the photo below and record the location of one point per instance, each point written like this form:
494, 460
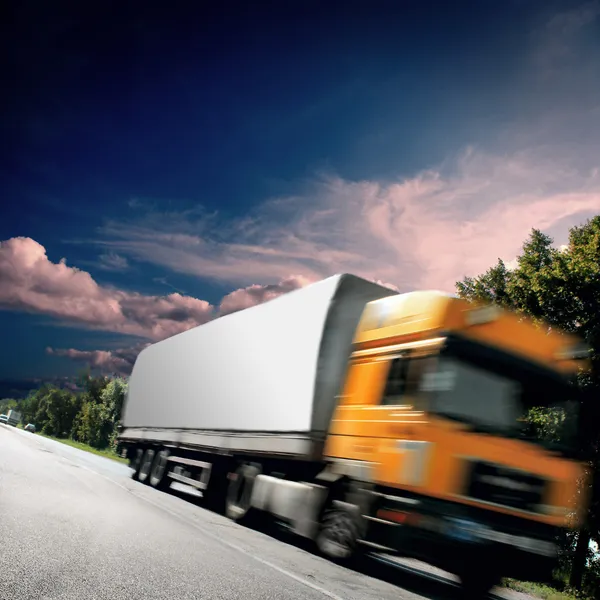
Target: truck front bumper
452, 536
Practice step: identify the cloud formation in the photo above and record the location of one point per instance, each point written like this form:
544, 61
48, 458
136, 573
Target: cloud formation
257, 294
121, 361
112, 262
118, 361
30, 282
423, 230
427, 231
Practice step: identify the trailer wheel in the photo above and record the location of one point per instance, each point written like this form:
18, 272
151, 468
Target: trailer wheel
146, 466
158, 473
239, 494
136, 463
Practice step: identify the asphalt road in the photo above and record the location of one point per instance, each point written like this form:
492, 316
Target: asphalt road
74, 526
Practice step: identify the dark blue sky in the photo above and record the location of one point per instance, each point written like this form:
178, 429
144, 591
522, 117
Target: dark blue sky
127, 128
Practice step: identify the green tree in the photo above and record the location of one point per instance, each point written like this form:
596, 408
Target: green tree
92, 386
113, 398
101, 404
93, 425
90, 416
34, 408
51, 409
561, 288
61, 408
7, 404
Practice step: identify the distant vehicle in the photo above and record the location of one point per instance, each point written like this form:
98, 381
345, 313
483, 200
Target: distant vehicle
30, 427
369, 419
14, 417
3, 418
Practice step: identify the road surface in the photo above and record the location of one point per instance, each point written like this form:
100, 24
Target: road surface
75, 526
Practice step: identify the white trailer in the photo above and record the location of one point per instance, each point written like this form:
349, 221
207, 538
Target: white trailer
262, 380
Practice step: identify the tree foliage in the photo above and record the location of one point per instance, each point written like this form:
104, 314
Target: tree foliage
7, 404
90, 416
560, 287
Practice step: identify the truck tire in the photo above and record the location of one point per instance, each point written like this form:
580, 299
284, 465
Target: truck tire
158, 473
136, 462
239, 493
338, 535
146, 466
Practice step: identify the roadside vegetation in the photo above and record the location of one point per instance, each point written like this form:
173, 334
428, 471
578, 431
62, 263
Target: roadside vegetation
556, 286
108, 453
86, 418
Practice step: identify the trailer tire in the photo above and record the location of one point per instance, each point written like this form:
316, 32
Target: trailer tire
146, 466
239, 494
136, 463
158, 478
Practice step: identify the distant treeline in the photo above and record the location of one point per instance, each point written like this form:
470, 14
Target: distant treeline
90, 415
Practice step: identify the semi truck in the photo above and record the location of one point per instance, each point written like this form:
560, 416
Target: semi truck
370, 421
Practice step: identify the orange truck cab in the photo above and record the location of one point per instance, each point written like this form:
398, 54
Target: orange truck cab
432, 419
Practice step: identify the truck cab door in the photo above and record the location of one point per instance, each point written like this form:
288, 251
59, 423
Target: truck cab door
405, 452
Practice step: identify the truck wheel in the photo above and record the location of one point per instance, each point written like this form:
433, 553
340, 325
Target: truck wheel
239, 493
146, 466
338, 535
158, 474
136, 462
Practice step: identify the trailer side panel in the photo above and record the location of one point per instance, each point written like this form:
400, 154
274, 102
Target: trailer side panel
253, 370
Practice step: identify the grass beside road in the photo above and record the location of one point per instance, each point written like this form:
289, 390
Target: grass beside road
105, 453
539, 590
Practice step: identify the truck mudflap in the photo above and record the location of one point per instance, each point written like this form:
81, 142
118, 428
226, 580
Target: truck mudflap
449, 535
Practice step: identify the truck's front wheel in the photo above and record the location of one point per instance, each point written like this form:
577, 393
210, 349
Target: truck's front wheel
338, 536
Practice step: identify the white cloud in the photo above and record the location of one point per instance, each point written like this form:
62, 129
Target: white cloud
427, 231
113, 262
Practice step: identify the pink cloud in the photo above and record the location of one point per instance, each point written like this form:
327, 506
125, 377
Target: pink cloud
257, 294
112, 262
121, 361
118, 361
29, 281
426, 231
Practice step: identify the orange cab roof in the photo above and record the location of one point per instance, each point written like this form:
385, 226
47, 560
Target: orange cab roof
426, 314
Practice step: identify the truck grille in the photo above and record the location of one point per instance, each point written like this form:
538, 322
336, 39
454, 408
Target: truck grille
496, 484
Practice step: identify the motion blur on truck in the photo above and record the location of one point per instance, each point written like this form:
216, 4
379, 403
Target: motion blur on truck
371, 421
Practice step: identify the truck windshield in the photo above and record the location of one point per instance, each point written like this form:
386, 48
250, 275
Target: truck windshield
505, 397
